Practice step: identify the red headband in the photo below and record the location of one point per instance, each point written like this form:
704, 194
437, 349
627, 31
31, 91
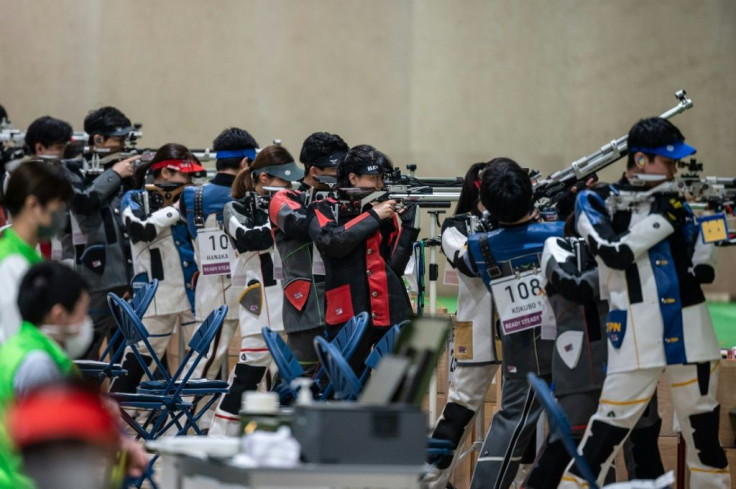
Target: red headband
186, 166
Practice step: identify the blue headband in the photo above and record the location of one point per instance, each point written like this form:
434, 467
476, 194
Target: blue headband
250, 153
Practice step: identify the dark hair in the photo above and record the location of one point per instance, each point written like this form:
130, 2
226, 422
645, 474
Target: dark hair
3, 113
42, 180
169, 151
569, 230
104, 120
651, 133
469, 193
232, 139
357, 158
319, 144
45, 285
47, 131
506, 190
268, 156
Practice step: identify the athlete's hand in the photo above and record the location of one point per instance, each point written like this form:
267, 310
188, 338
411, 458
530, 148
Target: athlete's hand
125, 168
385, 209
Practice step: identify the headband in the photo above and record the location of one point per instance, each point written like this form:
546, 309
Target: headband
250, 153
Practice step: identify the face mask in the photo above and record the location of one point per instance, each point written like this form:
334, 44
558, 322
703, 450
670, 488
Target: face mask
75, 344
58, 219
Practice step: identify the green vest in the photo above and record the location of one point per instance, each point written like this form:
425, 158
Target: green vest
10, 473
12, 353
12, 244
28, 339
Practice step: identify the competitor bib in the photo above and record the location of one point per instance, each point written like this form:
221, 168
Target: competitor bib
450, 276
238, 273
713, 228
215, 252
522, 304
278, 266
78, 237
318, 264
56, 249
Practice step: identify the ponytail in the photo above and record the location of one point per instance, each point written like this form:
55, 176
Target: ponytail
243, 182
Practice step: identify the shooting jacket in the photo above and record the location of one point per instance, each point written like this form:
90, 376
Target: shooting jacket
651, 275
303, 286
364, 260
162, 250
260, 293
579, 360
474, 334
103, 257
211, 291
516, 248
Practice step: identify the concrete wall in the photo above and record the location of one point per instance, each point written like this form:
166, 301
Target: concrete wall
439, 83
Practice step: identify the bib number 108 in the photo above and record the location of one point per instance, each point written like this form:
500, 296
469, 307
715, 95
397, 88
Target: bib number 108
522, 304
523, 291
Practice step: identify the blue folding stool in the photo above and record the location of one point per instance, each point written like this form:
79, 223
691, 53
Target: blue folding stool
559, 424
109, 364
164, 398
347, 341
166, 395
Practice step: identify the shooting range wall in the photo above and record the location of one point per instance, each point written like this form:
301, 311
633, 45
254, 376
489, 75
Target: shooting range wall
441, 84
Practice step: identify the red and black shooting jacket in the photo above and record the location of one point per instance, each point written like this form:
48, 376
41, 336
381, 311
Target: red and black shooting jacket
364, 260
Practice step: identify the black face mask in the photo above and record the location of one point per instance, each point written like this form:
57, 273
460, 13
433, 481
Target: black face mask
58, 219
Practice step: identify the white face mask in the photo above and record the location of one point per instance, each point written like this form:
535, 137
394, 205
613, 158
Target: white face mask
76, 343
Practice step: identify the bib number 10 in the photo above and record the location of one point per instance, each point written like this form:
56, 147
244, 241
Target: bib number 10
223, 241
215, 252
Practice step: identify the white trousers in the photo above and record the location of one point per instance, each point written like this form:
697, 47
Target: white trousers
624, 397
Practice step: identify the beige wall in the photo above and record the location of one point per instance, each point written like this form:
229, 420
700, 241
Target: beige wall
439, 83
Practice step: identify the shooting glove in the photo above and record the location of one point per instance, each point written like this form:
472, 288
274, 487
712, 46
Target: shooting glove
248, 212
258, 239
409, 215
672, 208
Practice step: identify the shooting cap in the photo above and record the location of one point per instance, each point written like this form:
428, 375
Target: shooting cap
291, 172
330, 160
62, 412
676, 150
183, 166
117, 131
368, 168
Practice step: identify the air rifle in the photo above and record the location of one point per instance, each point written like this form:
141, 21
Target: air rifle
548, 191
423, 192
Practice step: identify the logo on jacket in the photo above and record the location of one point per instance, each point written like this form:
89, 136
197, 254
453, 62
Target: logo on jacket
616, 327
569, 347
298, 295
612, 327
